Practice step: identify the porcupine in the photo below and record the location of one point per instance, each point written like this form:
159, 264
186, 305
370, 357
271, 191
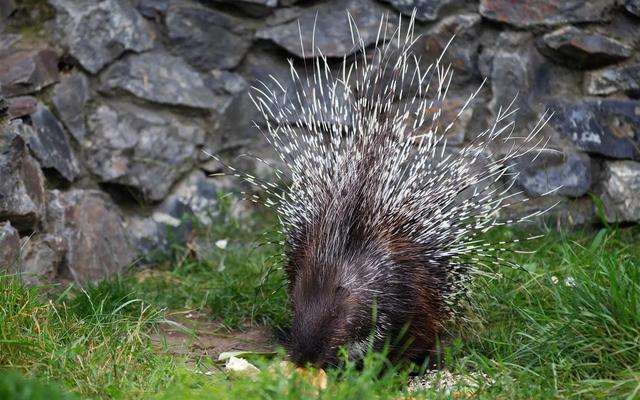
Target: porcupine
381, 223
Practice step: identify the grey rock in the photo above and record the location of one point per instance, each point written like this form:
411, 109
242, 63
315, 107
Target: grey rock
226, 87
283, 15
295, 94
573, 212
140, 148
69, 99
623, 26
225, 82
619, 191
579, 48
448, 110
265, 3
461, 53
96, 242
561, 212
43, 257
9, 248
24, 71
520, 74
206, 38
148, 236
50, 144
426, 10
525, 14
21, 106
194, 201
21, 182
566, 173
4, 111
195, 196
606, 81
265, 68
113, 26
153, 8
7, 7
485, 59
236, 125
158, 77
451, 112
513, 72
253, 8
255, 156
7, 40
332, 33
602, 126
551, 81
633, 6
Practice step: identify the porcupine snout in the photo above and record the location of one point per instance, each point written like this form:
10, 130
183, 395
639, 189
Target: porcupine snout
331, 310
321, 313
342, 303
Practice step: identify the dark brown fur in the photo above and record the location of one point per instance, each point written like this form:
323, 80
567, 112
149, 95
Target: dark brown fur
334, 303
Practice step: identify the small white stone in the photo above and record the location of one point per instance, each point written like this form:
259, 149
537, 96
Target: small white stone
241, 367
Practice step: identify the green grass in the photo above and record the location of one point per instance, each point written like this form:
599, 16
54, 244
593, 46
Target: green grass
375, 380
99, 355
15, 386
569, 325
566, 325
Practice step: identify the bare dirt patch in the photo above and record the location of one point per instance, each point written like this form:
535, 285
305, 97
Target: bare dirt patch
204, 338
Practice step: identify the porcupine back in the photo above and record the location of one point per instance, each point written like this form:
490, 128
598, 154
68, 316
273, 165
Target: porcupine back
380, 219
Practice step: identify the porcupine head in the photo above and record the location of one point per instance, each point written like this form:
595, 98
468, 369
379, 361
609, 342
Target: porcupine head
380, 217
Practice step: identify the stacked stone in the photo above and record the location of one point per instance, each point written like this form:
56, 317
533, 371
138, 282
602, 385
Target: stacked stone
108, 104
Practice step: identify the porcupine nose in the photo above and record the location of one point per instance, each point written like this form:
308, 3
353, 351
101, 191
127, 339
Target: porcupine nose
303, 359
306, 351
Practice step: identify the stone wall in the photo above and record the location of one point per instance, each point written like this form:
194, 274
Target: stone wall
109, 103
